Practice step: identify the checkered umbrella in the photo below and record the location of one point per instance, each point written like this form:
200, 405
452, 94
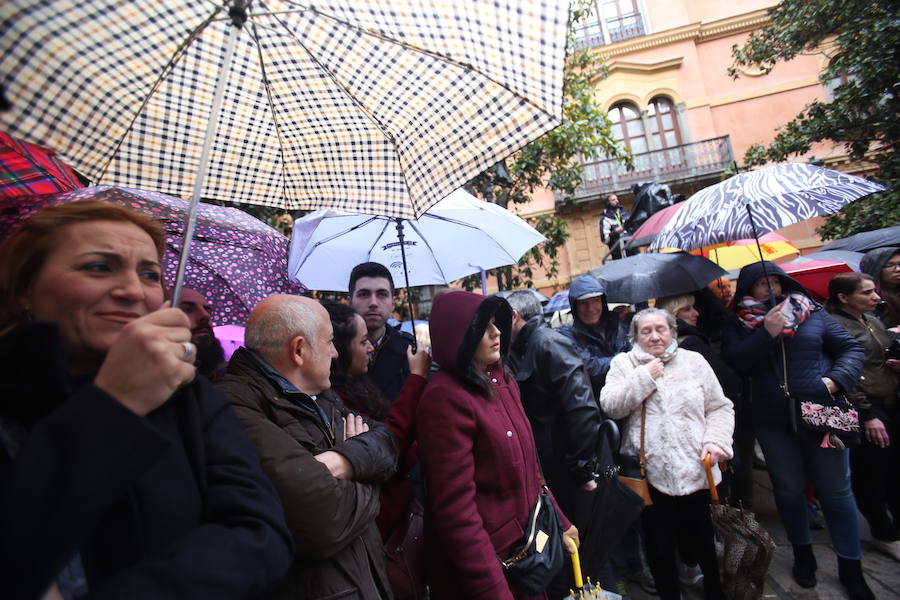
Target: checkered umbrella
371, 107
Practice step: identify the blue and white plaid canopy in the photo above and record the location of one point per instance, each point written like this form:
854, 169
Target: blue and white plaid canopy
376, 107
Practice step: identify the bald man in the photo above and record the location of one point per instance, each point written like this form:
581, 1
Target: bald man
326, 463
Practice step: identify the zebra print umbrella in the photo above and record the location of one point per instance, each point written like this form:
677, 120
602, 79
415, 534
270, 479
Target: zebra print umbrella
750, 204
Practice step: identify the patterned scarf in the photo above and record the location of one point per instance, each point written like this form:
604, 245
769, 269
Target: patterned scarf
794, 308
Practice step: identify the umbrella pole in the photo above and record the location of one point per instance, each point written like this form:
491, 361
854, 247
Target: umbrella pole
238, 15
759, 249
483, 282
412, 315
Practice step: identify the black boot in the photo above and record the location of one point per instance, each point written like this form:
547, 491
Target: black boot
851, 576
804, 565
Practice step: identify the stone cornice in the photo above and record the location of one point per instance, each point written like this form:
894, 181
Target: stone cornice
697, 32
647, 68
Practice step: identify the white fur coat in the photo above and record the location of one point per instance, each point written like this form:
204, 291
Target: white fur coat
685, 410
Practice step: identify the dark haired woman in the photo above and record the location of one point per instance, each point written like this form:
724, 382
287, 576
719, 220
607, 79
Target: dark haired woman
350, 381
821, 358
875, 464
477, 451
122, 475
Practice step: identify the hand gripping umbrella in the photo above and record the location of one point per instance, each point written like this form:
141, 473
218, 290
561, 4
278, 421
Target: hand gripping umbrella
381, 108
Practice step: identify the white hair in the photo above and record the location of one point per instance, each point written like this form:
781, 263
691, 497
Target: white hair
647, 312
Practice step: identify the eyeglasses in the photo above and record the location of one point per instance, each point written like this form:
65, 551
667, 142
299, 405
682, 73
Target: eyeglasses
892, 266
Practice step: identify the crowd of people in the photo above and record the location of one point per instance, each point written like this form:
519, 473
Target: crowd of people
334, 457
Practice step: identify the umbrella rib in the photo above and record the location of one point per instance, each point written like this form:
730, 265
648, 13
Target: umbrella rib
413, 226
345, 231
433, 54
179, 52
265, 81
334, 79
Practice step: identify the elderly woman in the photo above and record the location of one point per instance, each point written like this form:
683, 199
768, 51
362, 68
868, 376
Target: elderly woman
875, 464
687, 418
477, 452
821, 358
123, 475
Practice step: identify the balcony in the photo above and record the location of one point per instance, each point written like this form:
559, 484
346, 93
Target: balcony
687, 162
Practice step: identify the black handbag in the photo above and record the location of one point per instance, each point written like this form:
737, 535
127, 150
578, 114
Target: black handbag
832, 415
539, 556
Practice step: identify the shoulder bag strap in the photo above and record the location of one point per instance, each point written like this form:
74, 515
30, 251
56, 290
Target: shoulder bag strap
641, 460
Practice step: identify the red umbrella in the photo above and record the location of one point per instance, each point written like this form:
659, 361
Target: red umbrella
644, 234
27, 169
815, 275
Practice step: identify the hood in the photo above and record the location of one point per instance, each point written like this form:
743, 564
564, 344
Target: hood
457, 323
872, 263
750, 273
587, 286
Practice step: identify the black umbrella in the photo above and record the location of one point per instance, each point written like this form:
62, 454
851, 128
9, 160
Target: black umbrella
611, 509
867, 240
655, 275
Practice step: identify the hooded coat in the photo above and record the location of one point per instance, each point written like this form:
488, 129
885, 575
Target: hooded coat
820, 348
477, 453
596, 344
872, 264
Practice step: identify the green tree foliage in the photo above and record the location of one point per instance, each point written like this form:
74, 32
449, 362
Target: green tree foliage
862, 41
553, 161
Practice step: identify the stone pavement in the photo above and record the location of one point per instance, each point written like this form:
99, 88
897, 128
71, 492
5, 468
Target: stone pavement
882, 573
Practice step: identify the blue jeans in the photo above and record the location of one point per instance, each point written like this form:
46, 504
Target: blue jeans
793, 458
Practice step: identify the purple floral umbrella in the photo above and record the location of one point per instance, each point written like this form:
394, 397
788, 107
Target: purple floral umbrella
236, 260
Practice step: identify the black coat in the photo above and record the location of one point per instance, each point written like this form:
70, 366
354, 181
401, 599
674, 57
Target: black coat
558, 400
692, 338
171, 505
390, 367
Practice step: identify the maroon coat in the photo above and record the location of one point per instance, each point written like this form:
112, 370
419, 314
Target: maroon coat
478, 456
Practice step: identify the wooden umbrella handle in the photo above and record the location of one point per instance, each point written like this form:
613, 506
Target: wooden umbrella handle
713, 492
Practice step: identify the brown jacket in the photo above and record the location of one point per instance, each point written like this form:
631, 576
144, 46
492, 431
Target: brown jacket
877, 385
338, 548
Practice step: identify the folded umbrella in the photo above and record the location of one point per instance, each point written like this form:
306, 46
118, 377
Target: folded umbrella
640, 277
748, 548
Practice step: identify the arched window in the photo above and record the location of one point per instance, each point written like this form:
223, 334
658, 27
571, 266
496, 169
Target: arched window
628, 127
662, 123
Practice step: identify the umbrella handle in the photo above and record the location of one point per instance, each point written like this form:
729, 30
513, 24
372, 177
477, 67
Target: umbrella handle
713, 492
576, 570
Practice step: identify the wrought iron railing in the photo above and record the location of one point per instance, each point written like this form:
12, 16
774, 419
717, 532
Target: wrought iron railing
679, 163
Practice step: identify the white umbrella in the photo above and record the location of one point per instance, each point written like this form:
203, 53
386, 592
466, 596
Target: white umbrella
458, 236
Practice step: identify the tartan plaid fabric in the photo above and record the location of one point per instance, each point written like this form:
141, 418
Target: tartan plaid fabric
381, 108
26, 169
